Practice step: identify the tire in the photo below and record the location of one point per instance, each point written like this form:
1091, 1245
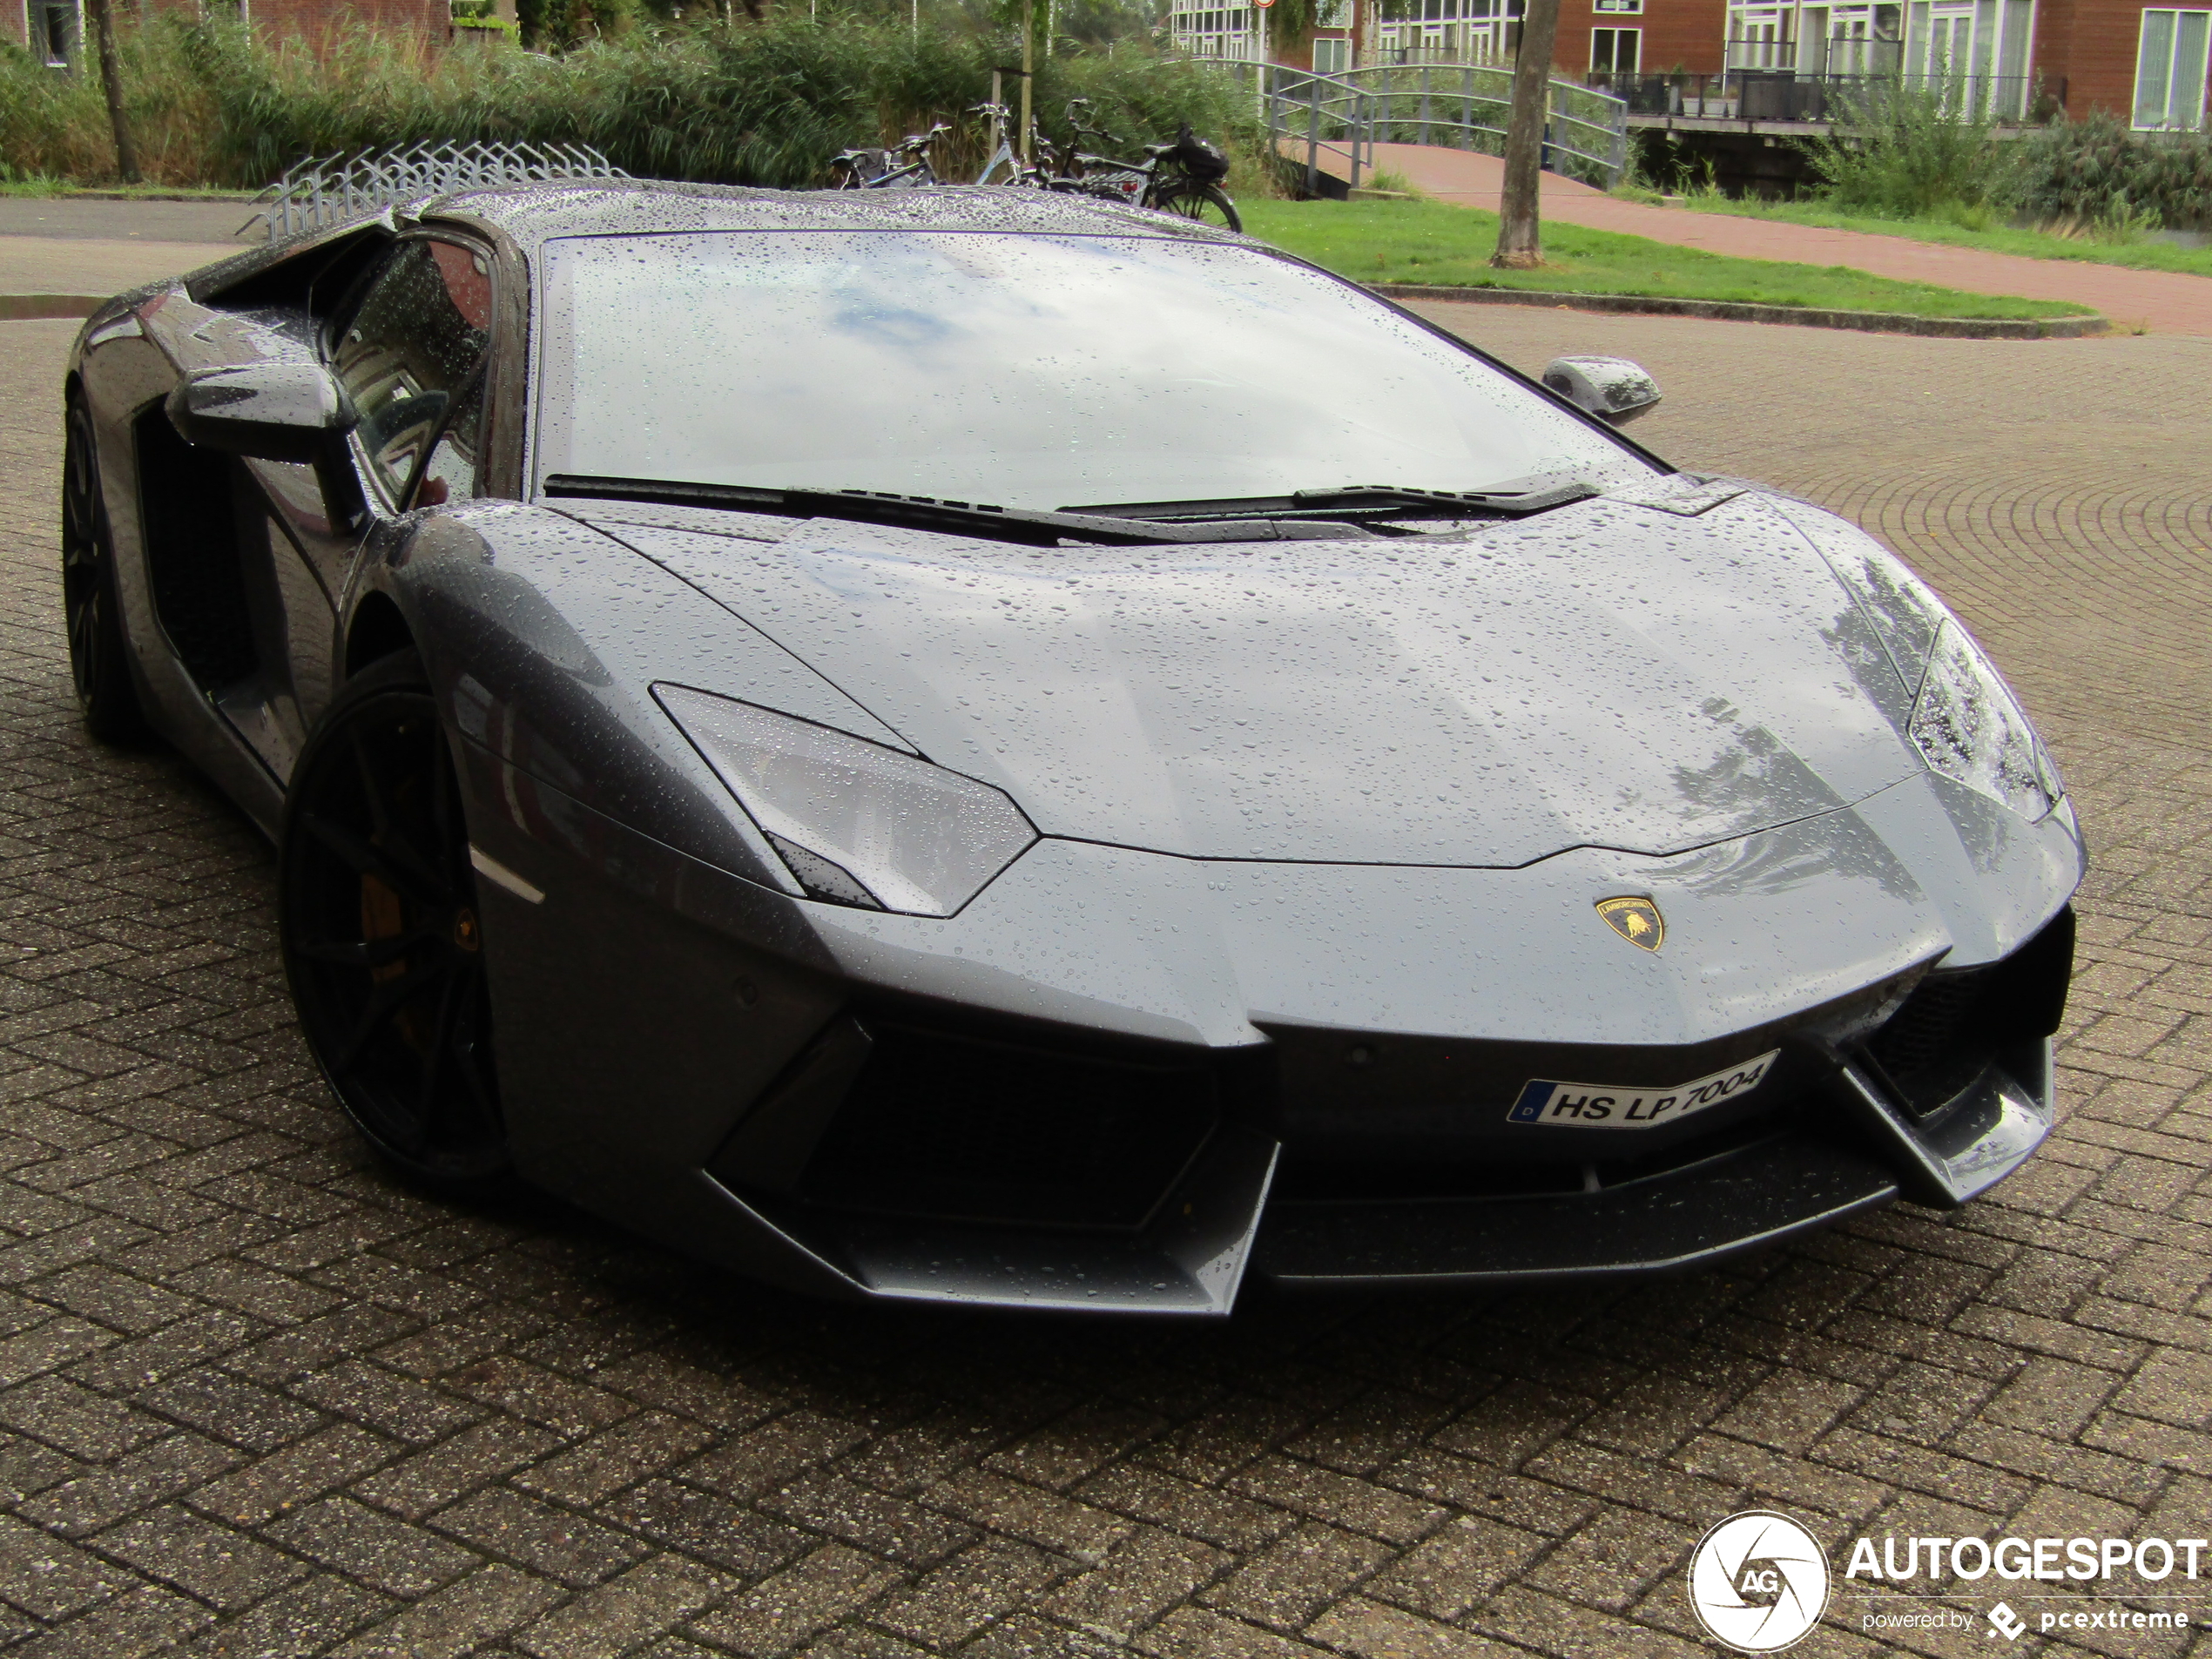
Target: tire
99, 665
1208, 204
378, 922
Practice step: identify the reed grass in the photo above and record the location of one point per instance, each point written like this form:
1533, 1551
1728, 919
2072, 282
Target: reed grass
213, 102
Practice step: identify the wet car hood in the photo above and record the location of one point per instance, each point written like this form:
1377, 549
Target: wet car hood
1611, 674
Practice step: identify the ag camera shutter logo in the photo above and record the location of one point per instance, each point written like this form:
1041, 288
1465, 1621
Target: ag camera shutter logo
1759, 1583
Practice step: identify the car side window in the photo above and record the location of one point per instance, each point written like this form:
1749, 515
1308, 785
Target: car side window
410, 360
451, 473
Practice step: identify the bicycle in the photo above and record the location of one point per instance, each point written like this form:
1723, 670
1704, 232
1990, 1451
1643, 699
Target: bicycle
904, 166
1183, 177
1002, 153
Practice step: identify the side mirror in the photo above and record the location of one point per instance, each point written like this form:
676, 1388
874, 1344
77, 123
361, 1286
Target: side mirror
1613, 389
263, 411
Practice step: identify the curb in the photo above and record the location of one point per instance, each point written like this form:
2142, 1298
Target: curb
1880, 323
37, 307
29, 307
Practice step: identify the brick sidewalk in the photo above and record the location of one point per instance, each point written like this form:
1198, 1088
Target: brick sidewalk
2167, 302
255, 1399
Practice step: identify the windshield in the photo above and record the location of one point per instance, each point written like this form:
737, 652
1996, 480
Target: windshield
1026, 371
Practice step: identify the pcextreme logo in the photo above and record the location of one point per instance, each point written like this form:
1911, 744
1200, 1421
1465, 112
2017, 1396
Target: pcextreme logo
1758, 1582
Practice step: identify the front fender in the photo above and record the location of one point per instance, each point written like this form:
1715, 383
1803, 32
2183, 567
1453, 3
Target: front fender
542, 639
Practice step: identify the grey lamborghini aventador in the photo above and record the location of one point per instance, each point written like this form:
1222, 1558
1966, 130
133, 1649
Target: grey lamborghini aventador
973, 746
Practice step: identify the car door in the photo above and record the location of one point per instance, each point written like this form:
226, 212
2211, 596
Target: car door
409, 345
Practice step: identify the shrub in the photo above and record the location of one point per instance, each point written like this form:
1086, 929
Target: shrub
2098, 176
1910, 152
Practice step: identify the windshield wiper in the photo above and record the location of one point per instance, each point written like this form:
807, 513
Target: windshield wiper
1356, 502
979, 519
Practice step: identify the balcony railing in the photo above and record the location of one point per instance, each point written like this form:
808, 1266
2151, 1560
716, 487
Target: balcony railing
1796, 96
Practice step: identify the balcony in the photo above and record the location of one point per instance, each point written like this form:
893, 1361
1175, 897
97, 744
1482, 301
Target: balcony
1763, 99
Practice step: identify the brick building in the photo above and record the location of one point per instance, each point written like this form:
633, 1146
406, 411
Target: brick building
2145, 62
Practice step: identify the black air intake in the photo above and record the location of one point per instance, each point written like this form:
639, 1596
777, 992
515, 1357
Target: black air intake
957, 1128
1955, 1022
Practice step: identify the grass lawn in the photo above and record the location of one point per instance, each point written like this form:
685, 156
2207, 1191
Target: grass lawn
1430, 242
1997, 239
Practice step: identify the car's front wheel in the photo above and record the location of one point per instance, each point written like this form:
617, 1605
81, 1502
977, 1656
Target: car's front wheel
98, 667
382, 936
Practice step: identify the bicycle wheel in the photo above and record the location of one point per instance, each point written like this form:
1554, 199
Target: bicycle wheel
1208, 204
1126, 187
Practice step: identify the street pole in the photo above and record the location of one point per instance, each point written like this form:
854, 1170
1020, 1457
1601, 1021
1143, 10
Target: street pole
126, 152
1519, 234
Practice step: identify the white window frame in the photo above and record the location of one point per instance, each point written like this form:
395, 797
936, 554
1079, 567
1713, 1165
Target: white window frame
1337, 50
2180, 113
1617, 8
76, 26
1614, 68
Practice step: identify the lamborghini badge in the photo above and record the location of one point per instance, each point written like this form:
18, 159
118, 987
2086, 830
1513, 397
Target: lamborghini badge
1638, 921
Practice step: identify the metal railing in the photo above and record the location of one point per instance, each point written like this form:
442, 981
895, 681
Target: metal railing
1794, 95
1464, 106
329, 189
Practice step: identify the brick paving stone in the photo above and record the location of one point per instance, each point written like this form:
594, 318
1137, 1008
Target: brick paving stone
642, 1603
221, 1567
457, 1619
804, 1599
378, 1550
258, 1398
1298, 1576
552, 1541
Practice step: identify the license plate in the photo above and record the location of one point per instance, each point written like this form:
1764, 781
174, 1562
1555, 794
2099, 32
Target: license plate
1618, 1106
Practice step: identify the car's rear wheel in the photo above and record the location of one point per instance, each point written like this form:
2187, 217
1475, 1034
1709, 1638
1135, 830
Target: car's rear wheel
1208, 204
97, 666
380, 935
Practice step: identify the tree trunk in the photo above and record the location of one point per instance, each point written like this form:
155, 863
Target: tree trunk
1520, 238
127, 153
1029, 70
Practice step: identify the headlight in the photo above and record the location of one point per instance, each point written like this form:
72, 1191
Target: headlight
1970, 729
855, 822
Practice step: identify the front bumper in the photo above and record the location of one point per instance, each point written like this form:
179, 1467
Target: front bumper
850, 1139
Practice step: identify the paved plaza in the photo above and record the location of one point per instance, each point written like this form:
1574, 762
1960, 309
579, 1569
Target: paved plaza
256, 1398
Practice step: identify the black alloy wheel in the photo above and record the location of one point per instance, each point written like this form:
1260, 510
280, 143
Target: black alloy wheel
382, 944
1208, 204
97, 666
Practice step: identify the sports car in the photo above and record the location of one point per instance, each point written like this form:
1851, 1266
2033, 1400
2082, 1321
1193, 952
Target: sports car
969, 745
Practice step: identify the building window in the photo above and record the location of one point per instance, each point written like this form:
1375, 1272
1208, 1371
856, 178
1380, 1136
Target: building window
1447, 31
2169, 71
1630, 7
1217, 31
1331, 55
1615, 52
54, 33
1757, 39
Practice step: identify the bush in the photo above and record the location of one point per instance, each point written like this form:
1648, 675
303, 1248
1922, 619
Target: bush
1909, 152
2096, 174
733, 102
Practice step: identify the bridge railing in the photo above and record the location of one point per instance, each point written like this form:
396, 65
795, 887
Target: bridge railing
1465, 107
